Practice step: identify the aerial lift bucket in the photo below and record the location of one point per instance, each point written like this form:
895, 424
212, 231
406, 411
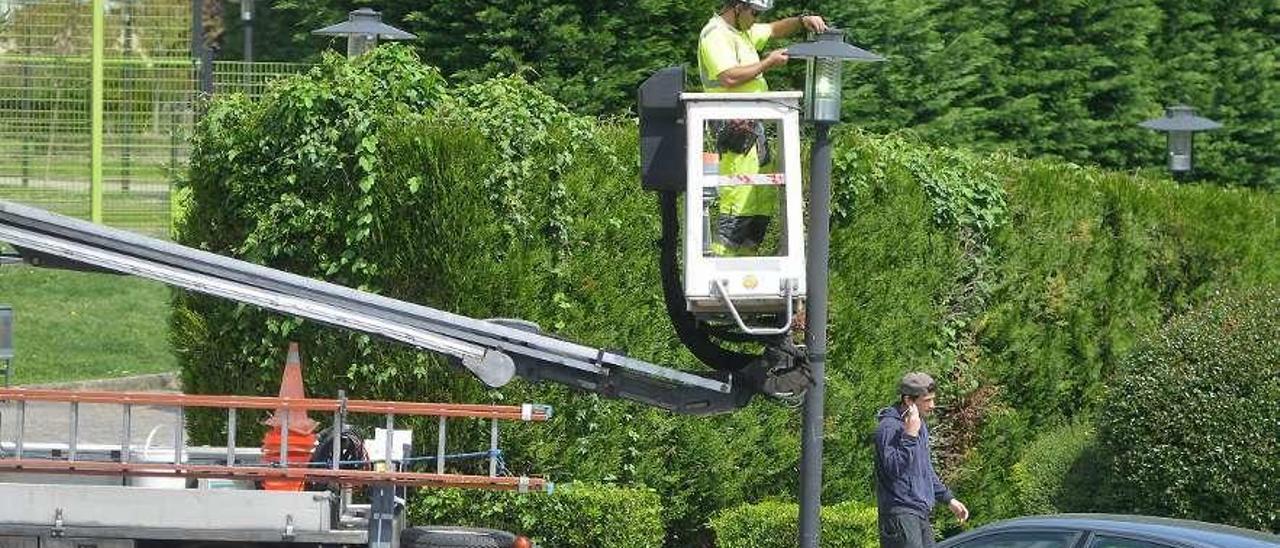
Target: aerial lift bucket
768, 278
726, 167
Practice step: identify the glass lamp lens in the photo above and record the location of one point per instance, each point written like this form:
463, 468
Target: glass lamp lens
1180, 151
359, 44
827, 85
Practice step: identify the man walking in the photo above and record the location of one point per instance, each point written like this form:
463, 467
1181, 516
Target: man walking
906, 484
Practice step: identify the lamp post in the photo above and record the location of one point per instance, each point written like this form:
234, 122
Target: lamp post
1180, 123
362, 28
6, 342
246, 15
825, 56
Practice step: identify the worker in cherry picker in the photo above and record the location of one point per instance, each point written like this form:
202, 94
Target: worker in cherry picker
729, 61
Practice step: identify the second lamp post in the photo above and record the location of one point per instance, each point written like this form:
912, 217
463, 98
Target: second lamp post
362, 28
1181, 124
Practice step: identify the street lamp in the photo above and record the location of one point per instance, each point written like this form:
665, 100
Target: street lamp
1180, 123
826, 55
362, 28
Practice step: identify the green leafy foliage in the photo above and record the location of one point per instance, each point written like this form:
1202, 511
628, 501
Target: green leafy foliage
1068, 80
1080, 75
297, 181
1081, 265
575, 516
1190, 422
773, 524
588, 56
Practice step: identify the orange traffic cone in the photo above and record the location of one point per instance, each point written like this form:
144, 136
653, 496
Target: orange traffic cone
301, 433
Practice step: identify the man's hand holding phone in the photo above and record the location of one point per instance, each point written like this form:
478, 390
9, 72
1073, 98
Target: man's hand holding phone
912, 419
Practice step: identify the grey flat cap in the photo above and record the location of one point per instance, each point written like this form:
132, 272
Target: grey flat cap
916, 384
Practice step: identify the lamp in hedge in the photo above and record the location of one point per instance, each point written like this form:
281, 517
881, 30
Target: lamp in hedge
363, 28
826, 55
1181, 124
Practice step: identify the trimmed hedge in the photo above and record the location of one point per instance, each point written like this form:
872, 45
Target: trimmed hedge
774, 524
1192, 423
1059, 471
1020, 284
574, 516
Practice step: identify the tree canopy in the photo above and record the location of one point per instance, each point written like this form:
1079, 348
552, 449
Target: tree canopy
1068, 80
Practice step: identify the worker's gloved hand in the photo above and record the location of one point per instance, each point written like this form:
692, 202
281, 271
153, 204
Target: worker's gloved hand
814, 23
776, 58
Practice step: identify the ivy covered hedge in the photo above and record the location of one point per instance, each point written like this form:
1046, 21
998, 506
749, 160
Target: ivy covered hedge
573, 516
1021, 285
1191, 426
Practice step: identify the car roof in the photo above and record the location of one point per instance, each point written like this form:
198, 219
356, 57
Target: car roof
1165, 528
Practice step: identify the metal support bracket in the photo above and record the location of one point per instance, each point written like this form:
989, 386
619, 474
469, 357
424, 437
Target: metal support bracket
722, 292
289, 533
59, 527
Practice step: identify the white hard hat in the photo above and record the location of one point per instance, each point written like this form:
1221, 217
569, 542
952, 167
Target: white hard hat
759, 5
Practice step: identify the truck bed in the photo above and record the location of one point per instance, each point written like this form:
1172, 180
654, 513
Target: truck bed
31, 511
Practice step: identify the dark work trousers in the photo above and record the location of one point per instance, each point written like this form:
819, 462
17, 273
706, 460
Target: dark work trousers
902, 529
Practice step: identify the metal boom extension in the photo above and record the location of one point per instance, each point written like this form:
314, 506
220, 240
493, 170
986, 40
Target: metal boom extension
493, 352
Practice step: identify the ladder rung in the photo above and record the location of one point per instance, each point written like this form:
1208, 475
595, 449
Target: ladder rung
762, 179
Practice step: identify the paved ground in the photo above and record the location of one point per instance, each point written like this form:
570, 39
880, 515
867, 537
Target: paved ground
98, 423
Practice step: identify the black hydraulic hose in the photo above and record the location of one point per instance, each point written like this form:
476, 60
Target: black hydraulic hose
687, 326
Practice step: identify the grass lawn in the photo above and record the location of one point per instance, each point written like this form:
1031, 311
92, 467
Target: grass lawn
75, 326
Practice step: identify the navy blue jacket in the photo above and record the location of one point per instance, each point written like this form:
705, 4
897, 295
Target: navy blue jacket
905, 479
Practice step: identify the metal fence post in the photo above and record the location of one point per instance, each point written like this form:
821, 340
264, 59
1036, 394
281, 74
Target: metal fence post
124, 125
6, 343
197, 29
95, 109
206, 71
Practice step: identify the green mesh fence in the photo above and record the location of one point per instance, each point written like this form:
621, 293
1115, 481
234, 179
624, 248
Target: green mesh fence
149, 85
250, 78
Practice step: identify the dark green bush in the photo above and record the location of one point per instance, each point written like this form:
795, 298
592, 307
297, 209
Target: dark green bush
1191, 425
574, 516
774, 524
1058, 471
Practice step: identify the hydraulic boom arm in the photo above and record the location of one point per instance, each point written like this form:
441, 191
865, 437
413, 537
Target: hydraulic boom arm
494, 351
